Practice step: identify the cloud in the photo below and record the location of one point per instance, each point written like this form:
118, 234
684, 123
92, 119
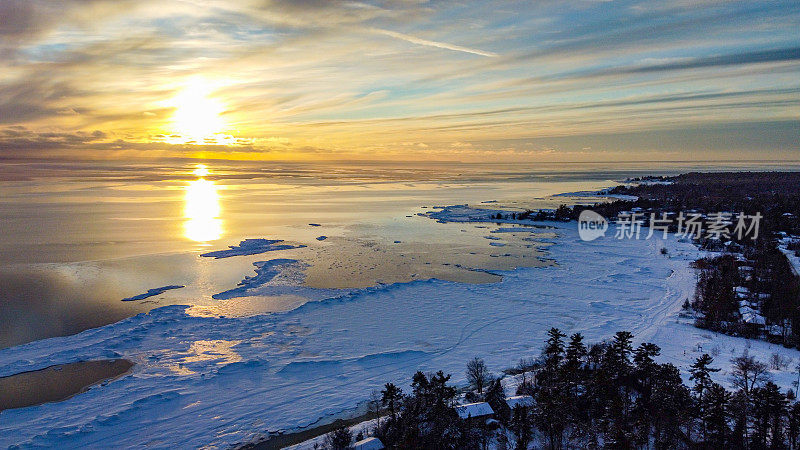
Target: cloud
368, 76
755, 57
22, 139
428, 43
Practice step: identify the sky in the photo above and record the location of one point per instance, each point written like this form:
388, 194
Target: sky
401, 80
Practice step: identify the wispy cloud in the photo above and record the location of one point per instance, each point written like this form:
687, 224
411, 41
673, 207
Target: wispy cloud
364, 77
429, 43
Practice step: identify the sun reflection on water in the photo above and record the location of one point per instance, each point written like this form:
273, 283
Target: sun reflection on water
202, 208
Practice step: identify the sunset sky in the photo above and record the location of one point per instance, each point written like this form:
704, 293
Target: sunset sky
401, 80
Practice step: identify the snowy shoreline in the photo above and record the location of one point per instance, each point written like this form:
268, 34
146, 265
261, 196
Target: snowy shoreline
217, 381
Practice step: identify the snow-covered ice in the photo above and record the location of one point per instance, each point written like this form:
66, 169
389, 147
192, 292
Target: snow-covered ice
251, 247
218, 381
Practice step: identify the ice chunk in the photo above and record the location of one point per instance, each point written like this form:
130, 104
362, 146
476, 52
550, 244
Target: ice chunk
152, 292
252, 247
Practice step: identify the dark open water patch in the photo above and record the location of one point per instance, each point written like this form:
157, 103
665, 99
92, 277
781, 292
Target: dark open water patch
57, 383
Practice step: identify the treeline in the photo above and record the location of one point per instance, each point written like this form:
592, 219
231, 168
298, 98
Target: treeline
773, 194
762, 281
607, 395
751, 289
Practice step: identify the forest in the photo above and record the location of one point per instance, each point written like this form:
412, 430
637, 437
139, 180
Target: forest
605, 395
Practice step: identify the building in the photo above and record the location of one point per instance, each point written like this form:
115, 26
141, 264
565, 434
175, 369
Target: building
370, 443
522, 400
479, 410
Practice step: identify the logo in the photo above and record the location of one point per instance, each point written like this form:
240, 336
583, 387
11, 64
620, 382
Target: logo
591, 225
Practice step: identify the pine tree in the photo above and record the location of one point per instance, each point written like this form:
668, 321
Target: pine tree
553, 354
443, 394
645, 370
338, 439
701, 374
739, 408
549, 416
715, 416
391, 396
670, 418
769, 412
618, 354
776, 404
496, 398
793, 425
521, 426
616, 385
575, 353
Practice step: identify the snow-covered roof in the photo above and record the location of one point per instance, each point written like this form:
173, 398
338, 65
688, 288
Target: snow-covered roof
750, 315
370, 443
523, 400
478, 409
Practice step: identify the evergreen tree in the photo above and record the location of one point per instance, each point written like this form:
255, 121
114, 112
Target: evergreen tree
715, 416
645, 371
496, 398
701, 372
671, 418
575, 354
390, 397
549, 417
772, 411
793, 425
338, 439
618, 354
740, 412
521, 426
553, 354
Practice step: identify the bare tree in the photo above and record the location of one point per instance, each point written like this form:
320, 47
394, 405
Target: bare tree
779, 362
748, 373
477, 374
374, 403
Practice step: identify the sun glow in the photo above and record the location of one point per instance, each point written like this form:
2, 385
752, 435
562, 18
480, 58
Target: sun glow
197, 114
201, 171
202, 209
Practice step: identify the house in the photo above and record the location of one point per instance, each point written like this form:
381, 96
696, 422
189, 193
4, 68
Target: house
370, 443
479, 410
522, 400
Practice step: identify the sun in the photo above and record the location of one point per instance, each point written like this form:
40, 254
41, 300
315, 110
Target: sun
197, 115
201, 170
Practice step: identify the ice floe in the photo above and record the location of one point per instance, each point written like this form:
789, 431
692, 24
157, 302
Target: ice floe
251, 247
153, 292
